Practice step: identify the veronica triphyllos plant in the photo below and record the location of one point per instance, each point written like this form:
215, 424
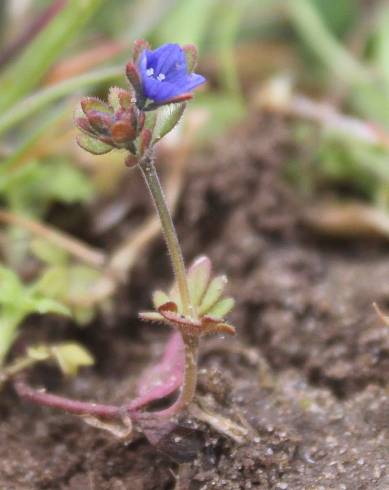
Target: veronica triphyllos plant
134, 120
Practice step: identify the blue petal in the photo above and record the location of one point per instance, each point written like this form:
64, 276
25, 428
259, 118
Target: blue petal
142, 64
165, 58
193, 81
169, 60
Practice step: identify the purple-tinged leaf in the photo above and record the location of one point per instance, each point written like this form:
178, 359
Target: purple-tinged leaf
164, 378
94, 104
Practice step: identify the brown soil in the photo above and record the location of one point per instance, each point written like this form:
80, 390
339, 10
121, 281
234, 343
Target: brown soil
307, 373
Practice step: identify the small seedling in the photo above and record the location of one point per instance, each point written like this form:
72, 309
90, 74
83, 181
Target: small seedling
134, 121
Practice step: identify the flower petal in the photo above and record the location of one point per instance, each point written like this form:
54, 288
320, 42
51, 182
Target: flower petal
165, 58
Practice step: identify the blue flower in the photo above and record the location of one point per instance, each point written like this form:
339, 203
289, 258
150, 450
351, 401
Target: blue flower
165, 75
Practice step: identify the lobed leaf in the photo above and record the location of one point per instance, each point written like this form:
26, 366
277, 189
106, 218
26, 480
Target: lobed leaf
71, 357
198, 277
221, 308
160, 298
213, 294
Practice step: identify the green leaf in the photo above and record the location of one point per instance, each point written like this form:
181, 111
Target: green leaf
168, 118
213, 293
71, 357
160, 298
11, 289
47, 305
30, 188
198, 277
68, 184
47, 252
67, 283
38, 352
222, 308
93, 145
54, 282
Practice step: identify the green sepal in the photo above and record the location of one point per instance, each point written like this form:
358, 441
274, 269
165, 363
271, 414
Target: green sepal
93, 145
94, 104
150, 120
119, 98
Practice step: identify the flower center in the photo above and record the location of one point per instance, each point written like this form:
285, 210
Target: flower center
150, 73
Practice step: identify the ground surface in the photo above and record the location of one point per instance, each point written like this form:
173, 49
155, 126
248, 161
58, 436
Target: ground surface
307, 373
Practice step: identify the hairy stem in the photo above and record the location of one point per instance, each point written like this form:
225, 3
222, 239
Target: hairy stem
151, 178
191, 343
188, 388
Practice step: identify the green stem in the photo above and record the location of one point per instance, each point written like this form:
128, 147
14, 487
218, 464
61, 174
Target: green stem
151, 178
191, 343
188, 389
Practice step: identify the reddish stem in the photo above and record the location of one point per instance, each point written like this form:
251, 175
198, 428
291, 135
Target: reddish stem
72, 406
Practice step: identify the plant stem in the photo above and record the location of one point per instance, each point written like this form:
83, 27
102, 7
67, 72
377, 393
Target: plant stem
151, 178
76, 407
188, 389
191, 343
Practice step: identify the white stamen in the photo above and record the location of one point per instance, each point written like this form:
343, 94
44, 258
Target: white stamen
150, 72
161, 77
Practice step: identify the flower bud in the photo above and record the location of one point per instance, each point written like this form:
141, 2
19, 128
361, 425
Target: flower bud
134, 79
83, 124
100, 121
123, 131
94, 104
